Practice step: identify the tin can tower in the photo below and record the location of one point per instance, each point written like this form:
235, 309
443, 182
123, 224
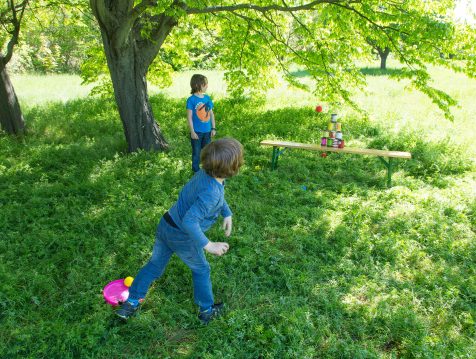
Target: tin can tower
333, 137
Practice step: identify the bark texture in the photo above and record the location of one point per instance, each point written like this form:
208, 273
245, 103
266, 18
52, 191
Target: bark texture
11, 118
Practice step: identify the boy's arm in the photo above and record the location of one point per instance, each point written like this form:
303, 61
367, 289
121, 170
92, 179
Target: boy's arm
225, 210
227, 221
212, 118
227, 225
190, 125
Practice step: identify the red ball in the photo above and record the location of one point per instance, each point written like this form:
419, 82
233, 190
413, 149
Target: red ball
323, 154
319, 108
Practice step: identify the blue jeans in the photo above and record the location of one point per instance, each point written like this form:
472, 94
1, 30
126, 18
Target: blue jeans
171, 240
204, 138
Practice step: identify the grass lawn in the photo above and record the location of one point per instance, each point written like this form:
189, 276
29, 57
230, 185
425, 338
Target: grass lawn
324, 260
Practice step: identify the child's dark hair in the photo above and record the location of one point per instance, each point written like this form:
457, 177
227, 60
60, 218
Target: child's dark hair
197, 82
222, 158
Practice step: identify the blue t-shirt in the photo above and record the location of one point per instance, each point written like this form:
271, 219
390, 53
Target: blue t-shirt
200, 203
200, 107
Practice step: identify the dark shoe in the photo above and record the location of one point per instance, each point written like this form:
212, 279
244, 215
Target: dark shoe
211, 314
127, 310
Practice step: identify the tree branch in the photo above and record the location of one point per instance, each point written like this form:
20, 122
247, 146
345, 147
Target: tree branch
102, 16
129, 19
335, 86
17, 12
141, 7
60, 5
232, 8
151, 46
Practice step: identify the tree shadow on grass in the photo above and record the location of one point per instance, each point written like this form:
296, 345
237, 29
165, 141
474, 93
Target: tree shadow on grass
302, 273
376, 71
368, 71
429, 159
58, 122
301, 73
90, 128
79, 213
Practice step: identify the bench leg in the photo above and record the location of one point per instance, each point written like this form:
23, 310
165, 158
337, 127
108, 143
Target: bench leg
275, 156
388, 164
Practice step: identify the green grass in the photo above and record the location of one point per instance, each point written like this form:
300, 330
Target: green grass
38, 89
325, 261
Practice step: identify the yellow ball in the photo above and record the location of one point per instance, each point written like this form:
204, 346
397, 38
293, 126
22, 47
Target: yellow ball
128, 281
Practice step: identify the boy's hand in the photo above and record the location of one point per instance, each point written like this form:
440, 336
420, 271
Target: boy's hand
227, 224
193, 135
214, 132
217, 248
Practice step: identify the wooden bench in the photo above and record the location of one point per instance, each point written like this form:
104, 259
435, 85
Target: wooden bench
280, 146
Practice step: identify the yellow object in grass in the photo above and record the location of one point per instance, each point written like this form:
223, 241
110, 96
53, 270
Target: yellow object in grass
128, 281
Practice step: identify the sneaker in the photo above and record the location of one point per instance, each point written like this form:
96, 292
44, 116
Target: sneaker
127, 310
214, 312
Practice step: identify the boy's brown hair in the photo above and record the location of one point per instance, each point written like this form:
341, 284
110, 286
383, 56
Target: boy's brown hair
222, 158
197, 82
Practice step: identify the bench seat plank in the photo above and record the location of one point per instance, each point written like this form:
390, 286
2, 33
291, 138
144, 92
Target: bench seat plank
277, 144
314, 147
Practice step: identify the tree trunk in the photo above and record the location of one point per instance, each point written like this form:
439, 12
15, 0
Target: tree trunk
11, 118
128, 74
383, 57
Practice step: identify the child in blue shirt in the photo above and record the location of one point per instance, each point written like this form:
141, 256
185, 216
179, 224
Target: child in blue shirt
182, 229
200, 118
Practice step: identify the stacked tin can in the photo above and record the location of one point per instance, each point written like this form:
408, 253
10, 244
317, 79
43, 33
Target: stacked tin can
333, 136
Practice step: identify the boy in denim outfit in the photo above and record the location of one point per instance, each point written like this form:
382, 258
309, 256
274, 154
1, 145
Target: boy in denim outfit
181, 229
200, 118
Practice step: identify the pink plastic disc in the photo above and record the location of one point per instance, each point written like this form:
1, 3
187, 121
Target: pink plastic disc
115, 292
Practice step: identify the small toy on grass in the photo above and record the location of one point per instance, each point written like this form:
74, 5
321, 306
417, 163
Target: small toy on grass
318, 108
323, 154
117, 291
128, 281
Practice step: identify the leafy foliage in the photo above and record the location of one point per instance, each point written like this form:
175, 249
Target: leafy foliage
328, 40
